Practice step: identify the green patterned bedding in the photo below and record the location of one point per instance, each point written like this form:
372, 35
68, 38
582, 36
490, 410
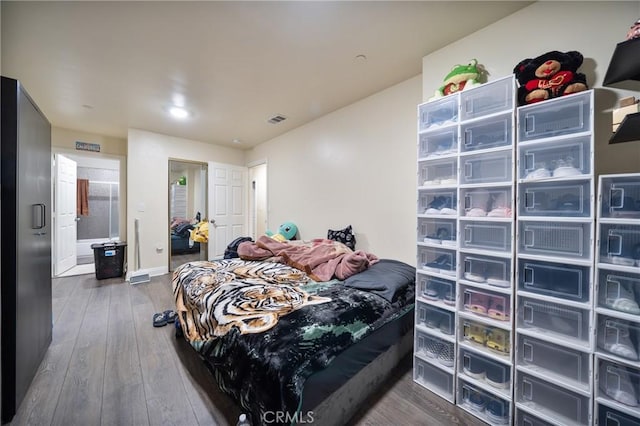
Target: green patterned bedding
263, 328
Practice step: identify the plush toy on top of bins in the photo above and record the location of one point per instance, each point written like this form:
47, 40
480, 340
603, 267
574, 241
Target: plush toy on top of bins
461, 77
550, 75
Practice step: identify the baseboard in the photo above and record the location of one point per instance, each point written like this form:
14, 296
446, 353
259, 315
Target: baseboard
152, 272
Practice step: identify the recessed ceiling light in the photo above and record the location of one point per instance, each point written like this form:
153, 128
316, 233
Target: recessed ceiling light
236, 140
179, 112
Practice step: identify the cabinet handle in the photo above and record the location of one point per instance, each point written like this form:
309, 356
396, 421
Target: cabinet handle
38, 216
466, 361
528, 275
526, 389
614, 244
527, 314
468, 234
620, 198
529, 199
529, 161
468, 170
529, 124
528, 238
528, 352
467, 137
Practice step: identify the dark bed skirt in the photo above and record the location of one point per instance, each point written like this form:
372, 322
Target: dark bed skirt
335, 394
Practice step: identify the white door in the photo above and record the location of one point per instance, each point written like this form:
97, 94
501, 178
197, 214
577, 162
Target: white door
65, 202
227, 209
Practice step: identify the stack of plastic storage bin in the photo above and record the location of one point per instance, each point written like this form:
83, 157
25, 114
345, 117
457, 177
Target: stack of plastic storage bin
617, 383
554, 273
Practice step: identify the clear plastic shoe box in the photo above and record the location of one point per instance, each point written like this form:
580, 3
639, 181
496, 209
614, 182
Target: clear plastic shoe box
620, 245
552, 401
438, 291
524, 418
566, 239
565, 199
555, 117
493, 236
562, 159
437, 203
561, 280
565, 323
437, 231
619, 291
433, 378
434, 350
618, 338
438, 321
493, 132
487, 304
486, 270
492, 374
555, 362
438, 172
488, 339
620, 196
608, 416
619, 385
486, 168
490, 98
486, 202
437, 260
484, 405
438, 144
435, 114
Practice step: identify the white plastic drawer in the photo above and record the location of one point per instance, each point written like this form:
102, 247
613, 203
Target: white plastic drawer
488, 407
619, 384
437, 350
485, 269
436, 260
486, 303
554, 401
560, 159
437, 231
437, 203
560, 116
620, 245
437, 290
433, 378
436, 319
484, 134
483, 202
555, 199
620, 196
438, 112
438, 143
484, 369
608, 416
565, 239
618, 337
619, 291
486, 168
494, 236
561, 280
491, 339
565, 322
489, 98
526, 419
438, 172
554, 360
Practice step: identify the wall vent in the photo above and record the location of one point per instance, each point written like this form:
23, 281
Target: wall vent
276, 119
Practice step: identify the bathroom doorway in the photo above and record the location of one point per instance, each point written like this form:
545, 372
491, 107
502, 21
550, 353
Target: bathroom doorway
187, 208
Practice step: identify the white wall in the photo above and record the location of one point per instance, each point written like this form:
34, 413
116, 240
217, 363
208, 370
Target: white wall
592, 28
354, 166
148, 193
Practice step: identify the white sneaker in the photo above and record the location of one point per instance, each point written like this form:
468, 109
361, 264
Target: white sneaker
614, 337
566, 171
616, 383
620, 298
540, 173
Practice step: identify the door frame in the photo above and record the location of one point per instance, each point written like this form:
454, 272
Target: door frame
254, 205
122, 186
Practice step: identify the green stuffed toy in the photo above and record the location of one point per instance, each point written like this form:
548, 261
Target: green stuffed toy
460, 78
287, 231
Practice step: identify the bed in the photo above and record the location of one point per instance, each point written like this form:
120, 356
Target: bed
180, 237
289, 345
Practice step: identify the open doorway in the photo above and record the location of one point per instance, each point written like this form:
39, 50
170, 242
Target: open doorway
187, 208
98, 216
258, 199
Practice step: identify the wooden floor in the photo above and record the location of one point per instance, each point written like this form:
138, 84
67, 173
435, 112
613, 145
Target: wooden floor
107, 365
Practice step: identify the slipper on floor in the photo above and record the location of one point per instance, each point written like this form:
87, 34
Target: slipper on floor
170, 316
160, 319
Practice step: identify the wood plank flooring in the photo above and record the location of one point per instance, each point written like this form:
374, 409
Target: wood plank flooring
107, 365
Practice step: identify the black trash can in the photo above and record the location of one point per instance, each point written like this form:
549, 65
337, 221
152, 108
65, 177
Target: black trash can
109, 259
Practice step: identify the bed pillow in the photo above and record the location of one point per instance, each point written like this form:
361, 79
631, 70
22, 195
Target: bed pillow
344, 236
387, 278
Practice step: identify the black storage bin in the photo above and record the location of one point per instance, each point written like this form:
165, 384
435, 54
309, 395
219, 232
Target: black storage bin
109, 259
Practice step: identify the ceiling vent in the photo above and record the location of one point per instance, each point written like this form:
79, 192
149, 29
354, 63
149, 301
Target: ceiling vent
276, 119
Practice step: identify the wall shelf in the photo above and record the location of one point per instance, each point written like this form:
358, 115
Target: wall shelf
624, 73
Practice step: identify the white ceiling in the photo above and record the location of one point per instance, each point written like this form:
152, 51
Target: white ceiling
103, 67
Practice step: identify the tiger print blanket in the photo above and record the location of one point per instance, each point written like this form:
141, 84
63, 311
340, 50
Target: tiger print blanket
263, 328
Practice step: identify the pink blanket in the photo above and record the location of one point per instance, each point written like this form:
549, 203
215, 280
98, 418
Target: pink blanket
321, 259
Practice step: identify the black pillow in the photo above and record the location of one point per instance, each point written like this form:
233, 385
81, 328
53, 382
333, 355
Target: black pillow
344, 236
387, 278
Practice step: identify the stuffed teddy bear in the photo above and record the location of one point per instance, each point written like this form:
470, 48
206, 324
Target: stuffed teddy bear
460, 78
548, 76
286, 231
